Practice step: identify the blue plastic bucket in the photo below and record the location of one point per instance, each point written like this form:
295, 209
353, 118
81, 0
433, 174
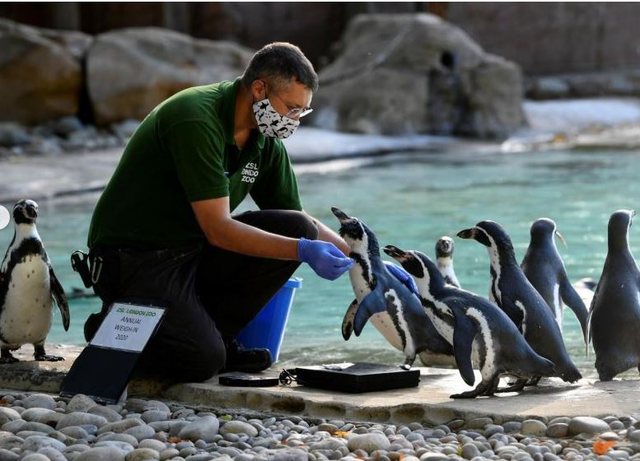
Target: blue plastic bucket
266, 330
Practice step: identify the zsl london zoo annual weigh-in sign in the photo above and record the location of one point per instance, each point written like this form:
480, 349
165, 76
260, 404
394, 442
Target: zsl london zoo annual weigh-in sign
104, 367
127, 327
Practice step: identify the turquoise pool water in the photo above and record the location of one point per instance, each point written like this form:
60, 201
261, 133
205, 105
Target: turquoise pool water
410, 201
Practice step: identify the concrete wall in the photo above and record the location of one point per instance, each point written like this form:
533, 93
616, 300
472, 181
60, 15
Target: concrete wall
544, 38
548, 38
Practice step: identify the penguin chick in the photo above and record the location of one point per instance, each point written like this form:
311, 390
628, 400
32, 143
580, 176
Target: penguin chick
479, 331
28, 289
515, 295
394, 310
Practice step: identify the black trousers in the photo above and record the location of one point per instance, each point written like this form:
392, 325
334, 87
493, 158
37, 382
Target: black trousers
210, 294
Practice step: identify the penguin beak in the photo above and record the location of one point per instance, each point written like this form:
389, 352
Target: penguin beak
467, 233
561, 238
31, 211
395, 252
338, 213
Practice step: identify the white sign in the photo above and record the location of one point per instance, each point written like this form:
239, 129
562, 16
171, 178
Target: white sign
127, 327
5, 217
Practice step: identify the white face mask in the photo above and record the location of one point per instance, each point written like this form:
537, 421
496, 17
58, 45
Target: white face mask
271, 123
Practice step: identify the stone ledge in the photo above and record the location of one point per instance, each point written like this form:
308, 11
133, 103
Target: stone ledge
428, 403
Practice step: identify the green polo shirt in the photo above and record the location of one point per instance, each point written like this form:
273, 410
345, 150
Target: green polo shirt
184, 151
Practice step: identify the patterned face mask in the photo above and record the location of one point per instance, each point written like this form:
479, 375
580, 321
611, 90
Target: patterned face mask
271, 123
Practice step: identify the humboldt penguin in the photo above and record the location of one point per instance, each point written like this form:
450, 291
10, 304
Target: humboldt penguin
479, 331
28, 289
614, 318
393, 309
444, 260
544, 268
515, 295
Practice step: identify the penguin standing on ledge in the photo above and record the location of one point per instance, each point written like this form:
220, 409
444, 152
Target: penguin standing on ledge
28, 289
444, 260
515, 295
393, 309
544, 268
477, 329
614, 318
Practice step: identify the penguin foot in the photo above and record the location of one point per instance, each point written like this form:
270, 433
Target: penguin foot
514, 387
47, 358
485, 388
6, 356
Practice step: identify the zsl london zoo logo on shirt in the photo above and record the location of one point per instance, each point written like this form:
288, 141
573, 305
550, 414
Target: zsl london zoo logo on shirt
250, 172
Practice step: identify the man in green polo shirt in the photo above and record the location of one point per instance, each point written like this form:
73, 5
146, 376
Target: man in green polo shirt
163, 230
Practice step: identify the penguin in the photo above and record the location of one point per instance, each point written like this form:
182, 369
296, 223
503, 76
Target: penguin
444, 260
28, 289
614, 317
515, 295
393, 309
544, 268
479, 331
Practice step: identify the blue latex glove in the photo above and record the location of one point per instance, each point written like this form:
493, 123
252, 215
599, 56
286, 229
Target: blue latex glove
325, 258
401, 274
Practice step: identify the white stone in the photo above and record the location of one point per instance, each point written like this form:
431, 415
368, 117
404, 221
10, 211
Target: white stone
238, 427
39, 401
205, 428
36, 442
587, 424
101, 454
77, 418
368, 442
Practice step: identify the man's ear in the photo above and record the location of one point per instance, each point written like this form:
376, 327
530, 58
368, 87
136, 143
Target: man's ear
258, 90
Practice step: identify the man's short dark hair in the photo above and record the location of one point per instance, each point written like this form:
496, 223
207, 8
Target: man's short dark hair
279, 63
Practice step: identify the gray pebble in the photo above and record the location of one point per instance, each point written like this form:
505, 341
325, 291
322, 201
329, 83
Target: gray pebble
119, 437
7, 455
35, 457
141, 432
587, 424
470, 450
120, 426
101, 454
8, 414
108, 413
237, 427
39, 401
77, 418
151, 416
36, 442
533, 427
368, 442
142, 454
52, 454
80, 402
205, 428
557, 430
169, 453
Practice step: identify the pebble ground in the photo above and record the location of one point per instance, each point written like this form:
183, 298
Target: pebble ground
40, 427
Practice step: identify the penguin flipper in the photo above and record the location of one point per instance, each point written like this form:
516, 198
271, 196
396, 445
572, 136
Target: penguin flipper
57, 292
347, 322
464, 333
573, 300
373, 303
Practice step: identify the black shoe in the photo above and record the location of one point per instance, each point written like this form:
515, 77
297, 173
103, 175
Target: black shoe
246, 360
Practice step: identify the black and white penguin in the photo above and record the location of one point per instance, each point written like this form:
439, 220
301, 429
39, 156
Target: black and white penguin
28, 289
614, 317
444, 260
544, 268
393, 309
515, 295
478, 330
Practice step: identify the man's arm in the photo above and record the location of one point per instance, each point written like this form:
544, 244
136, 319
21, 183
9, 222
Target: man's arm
223, 231
328, 235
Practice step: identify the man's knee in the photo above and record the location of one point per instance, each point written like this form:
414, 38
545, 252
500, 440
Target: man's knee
302, 225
